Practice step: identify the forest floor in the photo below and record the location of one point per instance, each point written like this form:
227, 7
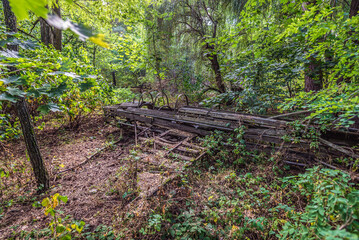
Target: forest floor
83, 165
85, 186
105, 177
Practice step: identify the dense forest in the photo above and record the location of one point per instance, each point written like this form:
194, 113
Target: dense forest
179, 119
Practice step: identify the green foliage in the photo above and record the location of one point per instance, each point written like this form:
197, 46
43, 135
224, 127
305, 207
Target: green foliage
332, 211
59, 228
220, 146
21, 8
334, 107
190, 226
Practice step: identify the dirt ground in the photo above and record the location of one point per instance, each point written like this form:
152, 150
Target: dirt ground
86, 186
91, 172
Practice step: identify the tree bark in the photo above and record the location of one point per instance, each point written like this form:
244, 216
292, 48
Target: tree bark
47, 36
354, 8
94, 56
114, 78
32, 148
313, 76
38, 166
50, 35
57, 39
217, 71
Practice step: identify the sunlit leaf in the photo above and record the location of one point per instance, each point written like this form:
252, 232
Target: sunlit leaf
99, 39
15, 92
9, 53
45, 202
21, 8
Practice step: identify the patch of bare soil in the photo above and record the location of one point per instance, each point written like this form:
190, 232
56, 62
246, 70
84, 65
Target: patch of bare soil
85, 186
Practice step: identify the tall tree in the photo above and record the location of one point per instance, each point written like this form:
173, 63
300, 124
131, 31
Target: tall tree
50, 35
354, 8
57, 40
32, 147
201, 19
313, 74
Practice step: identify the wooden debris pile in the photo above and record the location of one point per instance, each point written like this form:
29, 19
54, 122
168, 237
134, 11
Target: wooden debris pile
268, 134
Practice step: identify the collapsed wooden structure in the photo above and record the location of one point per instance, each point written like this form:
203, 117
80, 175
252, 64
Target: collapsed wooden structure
263, 133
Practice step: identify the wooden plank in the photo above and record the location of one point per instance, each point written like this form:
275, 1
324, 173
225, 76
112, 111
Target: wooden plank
250, 119
162, 122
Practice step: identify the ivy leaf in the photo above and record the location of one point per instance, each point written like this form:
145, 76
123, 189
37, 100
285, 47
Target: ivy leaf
9, 54
66, 237
68, 74
99, 39
60, 228
50, 107
37, 92
45, 202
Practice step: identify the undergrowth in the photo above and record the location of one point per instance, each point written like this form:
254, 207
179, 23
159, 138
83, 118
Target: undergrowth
233, 193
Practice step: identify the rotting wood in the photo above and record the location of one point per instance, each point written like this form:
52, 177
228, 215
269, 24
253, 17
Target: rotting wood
340, 149
262, 133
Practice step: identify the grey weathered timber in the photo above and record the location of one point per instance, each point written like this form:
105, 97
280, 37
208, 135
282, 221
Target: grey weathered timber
262, 133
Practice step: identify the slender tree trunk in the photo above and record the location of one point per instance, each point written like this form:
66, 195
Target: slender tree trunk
94, 56
157, 62
354, 8
32, 148
38, 166
213, 57
57, 39
114, 78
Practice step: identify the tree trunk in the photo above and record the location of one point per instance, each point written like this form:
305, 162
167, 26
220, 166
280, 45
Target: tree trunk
114, 78
94, 56
32, 148
217, 71
354, 8
313, 76
57, 33
47, 36
50, 35
38, 166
